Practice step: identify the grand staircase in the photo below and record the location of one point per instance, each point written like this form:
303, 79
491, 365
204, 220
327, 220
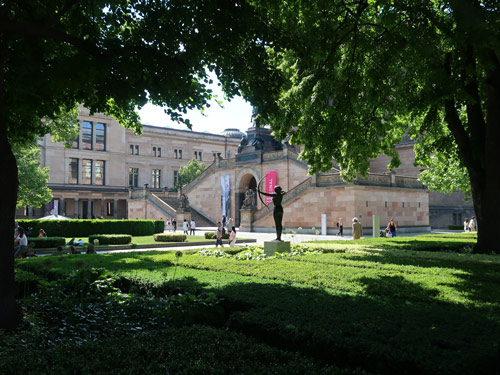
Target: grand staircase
170, 204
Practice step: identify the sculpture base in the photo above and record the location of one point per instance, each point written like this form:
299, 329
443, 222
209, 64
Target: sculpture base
271, 247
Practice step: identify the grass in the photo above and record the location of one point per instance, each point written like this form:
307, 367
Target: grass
409, 304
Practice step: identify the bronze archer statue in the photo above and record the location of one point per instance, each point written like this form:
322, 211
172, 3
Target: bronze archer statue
278, 208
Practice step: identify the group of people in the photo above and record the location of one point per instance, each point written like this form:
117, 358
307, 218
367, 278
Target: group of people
357, 228
470, 225
188, 227
21, 240
221, 230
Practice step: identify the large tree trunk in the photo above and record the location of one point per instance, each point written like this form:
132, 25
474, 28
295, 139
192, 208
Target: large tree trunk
10, 314
486, 193
486, 199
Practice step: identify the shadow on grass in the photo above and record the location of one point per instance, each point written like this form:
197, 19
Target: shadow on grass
479, 279
374, 333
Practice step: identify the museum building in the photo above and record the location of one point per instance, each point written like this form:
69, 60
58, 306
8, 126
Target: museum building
110, 172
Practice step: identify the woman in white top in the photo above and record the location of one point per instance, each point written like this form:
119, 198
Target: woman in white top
232, 237
20, 242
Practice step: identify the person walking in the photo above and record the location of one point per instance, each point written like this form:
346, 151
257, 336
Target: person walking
340, 227
192, 227
232, 237
392, 227
185, 227
472, 224
218, 235
466, 224
174, 225
357, 229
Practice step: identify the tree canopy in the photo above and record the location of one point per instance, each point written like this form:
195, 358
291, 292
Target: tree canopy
361, 74
33, 179
189, 172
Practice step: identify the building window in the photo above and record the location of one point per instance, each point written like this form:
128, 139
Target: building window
86, 135
73, 171
87, 172
99, 172
197, 155
137, 149
110, 209
156, 178
178, 154
76, 141
100, 136
133, 177
176, 178
131, 149
216, 155
157, 152
134, 149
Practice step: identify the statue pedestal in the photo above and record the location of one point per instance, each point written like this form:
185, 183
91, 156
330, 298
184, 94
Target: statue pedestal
246, 216
271, 247
181, 215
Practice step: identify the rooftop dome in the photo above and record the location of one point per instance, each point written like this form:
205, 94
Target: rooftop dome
233, 133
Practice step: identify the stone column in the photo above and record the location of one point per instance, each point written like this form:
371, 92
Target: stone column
76, 208
102, 207
62, 211
115, 208
89, 209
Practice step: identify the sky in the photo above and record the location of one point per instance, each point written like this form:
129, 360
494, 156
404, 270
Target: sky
234, 114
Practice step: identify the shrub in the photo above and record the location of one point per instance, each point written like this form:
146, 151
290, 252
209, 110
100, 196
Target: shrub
455, 227
208, 235
159, 226
169, 237
46, 242
84, 228
111, 239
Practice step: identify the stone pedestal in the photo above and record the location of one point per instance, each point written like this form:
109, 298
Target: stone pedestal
180, 216
246, 217
271, 247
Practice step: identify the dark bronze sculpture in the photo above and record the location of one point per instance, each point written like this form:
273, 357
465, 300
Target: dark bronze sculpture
278, 208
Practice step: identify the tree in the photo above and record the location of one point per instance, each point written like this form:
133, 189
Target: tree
359, 74
112, 56
189, 172
33, 179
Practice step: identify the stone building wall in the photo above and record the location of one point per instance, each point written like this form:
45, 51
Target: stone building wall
409, 207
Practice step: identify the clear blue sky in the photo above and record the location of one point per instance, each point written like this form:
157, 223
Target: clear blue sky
234, 114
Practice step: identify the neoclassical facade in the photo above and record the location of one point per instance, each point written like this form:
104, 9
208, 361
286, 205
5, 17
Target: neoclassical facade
93, 177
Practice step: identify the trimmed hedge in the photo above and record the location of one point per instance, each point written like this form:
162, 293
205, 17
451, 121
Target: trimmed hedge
208, 235
111, 239
84, 228
455, 227
169, 237
46, 242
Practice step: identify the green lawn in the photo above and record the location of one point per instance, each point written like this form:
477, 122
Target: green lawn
405, 305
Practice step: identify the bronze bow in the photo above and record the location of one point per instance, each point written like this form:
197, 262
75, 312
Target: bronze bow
258, 191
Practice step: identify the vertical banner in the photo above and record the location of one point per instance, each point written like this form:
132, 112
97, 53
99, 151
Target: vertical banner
270, 184
225, 197
54, 207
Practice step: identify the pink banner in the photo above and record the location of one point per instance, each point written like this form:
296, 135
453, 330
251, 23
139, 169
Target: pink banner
270, 184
